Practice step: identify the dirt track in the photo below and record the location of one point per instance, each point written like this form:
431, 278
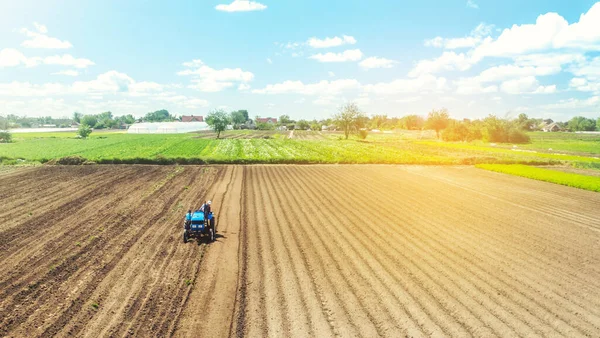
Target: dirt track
303, 251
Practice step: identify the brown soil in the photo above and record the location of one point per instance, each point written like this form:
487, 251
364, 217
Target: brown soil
302, 251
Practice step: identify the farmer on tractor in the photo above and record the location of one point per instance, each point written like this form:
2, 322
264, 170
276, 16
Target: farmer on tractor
205, 208
200, 223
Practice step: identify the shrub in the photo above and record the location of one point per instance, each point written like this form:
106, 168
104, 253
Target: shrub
517, 136
363, 133
5, 137
71, 160
84, 131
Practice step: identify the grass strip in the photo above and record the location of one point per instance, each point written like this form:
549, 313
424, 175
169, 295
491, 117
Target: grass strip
572, 180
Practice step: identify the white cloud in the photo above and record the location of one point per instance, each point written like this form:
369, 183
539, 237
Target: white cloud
419, 84
27, 89
207, 79
269, 60
589, 69
476, 37
473, 85
550, 31
10, 57
472, 4
111, 82
504, 72
67, 73
331, 74
376, 62
409, 99
241, 6
68, 60
446, 62
181, 100
41, 28
331, 42
348, 55
39, 39
573, 103
243, 86
320, 88
584, 85
583, 34
526, 85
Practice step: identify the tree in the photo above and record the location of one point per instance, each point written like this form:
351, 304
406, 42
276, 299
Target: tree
77, 117
411, 122
315, 126
438, 120
598, 124
5, 136
218, 121
244, 112
302, 125
347, 118
523, 122
580, 123
285, 119
159, 116
238, 117
90, 120
84, 130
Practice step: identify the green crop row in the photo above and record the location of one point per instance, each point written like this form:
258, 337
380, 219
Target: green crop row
572, 180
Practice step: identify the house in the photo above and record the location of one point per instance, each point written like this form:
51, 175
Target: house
551, 127
266, 120
74, 124
192, 118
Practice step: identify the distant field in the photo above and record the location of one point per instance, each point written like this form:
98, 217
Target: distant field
302, 147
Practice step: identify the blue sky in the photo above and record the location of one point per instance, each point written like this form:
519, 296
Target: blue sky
301, 58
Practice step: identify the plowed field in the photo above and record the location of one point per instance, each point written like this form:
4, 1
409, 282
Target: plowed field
302, 251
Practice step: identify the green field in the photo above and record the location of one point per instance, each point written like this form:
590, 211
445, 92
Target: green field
274, 147
558, 177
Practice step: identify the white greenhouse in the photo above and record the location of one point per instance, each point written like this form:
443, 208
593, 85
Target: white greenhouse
166, 127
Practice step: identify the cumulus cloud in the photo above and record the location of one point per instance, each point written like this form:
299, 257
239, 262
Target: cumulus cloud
181, 100
331, 42
68, 60
476, 37
473, 85
526, 85
326, 88
10, 57
207, 79
446, 62
550, 31
40, 39
472, 4
111, 82
348, 55
241, 6
423, 83
66, 73
377, 62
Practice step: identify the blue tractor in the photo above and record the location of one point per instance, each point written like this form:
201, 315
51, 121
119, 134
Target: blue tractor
196, 226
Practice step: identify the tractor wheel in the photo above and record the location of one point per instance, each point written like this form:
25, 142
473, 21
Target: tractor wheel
185, 236
211, 235
212, 225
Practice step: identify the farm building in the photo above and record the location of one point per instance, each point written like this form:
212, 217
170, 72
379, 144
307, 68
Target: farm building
551, 127
192, 118
166, 127
270, 120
